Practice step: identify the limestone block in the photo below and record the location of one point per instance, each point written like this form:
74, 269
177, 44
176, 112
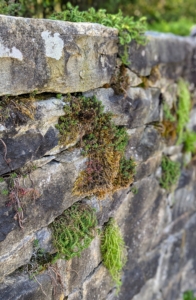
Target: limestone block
98, 285
54, 182
54, 56
21, 287
133, 79
144, 142
136, 108
33, 139
79, 268
166, 49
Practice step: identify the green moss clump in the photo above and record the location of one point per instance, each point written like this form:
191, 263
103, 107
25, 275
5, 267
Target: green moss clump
74, 230
102, 141
188, 295
113, 251
170, 172
184, 106
190, 141
128, 29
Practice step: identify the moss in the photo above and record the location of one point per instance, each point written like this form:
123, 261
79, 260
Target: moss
113, 251
184, 106
188, 295
170, 172
103, 142
74, 230
190, 141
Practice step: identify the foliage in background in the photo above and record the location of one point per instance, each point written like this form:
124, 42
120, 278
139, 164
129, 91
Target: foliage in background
188, 295
107, 170
175, 16
170, 172
113, 251
74, 230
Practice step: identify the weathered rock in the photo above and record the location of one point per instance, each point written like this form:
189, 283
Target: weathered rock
165, 49
136, 108
79, 268
143, 143
22, 288
54, 56
54, 183
133, 79
98, 285
32, 140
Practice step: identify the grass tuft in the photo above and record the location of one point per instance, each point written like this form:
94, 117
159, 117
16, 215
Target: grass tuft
113, 251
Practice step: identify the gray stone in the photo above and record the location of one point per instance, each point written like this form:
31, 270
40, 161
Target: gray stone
166, 49
142, 106
32, 140
53, 182
54, 56
133, 79
20, 287
98, 285
143, 143
136, 108
79, 268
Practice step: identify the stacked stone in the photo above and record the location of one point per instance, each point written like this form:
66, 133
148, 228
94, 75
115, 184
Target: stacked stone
158, 226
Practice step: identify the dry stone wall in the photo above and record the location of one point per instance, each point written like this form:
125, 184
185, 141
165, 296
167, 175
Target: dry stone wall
158, 226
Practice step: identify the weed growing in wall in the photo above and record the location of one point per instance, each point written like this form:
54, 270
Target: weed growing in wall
128, 29
103, 142
17, 109
188, 295
190, 141
170, 172
16, 193
184, 106
169, 131
113, 251
74, 230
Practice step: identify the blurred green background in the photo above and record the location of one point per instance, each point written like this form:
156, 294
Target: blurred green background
176, 16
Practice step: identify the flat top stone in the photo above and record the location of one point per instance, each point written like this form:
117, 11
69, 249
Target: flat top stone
73, 28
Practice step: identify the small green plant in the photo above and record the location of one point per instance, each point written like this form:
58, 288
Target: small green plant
128, 29
170, 172
4, 192
134, 190
58, 96
40, 261
184, 106
167, 113
190, 141
74, 230
188, 295
113, 251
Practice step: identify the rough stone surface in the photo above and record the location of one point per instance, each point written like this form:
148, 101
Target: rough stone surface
158, 226
54, 56
138, 107
171, 51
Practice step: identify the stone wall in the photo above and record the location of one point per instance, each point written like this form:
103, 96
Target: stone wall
158, 226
